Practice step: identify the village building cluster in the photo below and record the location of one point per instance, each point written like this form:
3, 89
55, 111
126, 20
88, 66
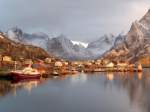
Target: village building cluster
55, 66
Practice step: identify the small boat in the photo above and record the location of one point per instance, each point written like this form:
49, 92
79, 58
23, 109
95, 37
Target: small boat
27, 73
55, 73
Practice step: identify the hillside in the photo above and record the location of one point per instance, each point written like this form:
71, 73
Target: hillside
17, 50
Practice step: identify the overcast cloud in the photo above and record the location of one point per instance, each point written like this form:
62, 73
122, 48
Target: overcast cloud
83, 20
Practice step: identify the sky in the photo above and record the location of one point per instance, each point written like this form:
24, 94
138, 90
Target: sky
79, 20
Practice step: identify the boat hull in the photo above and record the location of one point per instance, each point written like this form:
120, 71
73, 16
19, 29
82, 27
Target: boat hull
25, 76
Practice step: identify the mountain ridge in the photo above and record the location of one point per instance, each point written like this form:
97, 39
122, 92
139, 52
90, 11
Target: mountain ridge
63, 47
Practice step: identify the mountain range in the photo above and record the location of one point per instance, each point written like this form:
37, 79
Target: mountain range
63, 47
131, 47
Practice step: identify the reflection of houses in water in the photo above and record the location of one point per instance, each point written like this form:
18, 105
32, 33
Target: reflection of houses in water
137, 87
110, 76
29, 86
25, 85
139, 74
5, 87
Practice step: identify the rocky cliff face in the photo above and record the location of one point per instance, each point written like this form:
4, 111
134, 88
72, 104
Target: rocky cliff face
134, 45
17, 50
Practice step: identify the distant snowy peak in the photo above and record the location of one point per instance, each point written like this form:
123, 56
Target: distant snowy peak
102, 45
102, 42
85, 45
37, 39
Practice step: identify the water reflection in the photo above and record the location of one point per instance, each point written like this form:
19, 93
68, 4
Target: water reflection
137, 87
81, 78
26, 85
110, 76
5, 87
8, 86
140, 75
129, 92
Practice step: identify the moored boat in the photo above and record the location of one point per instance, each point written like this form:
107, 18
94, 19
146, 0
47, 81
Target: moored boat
55, 73
27, 73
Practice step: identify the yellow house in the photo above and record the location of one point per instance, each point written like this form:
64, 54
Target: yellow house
122, 66
28, 61
48, 60
66, 63
7, 59
110, 65
58, 64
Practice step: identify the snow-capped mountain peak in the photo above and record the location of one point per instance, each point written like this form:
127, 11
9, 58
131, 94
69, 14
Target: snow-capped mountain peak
85, 45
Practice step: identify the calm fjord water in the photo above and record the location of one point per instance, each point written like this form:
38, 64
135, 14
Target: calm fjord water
98, 92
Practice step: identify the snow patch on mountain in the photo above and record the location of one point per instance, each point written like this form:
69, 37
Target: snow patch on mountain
85, 45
